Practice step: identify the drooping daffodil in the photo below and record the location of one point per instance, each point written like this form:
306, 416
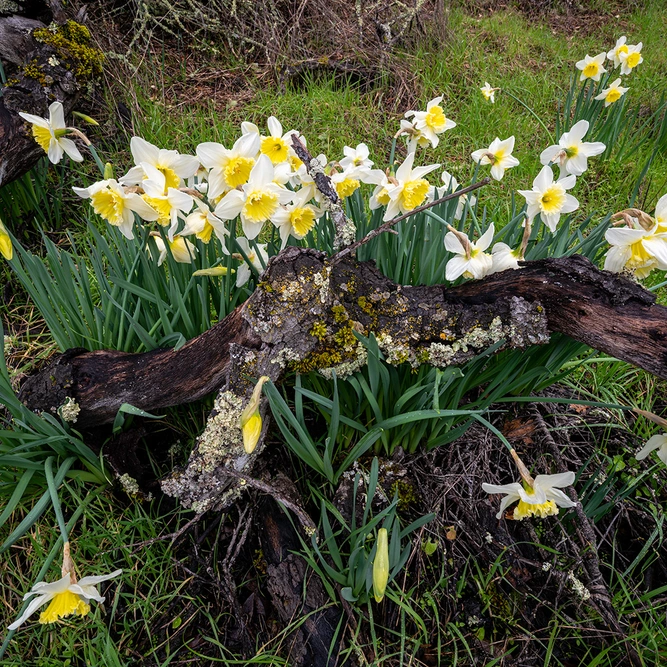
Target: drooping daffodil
256, 255
540, 497
549, 198
658, 442
498, 155
408, 189
470, 260
572, 153
117, 205
591, 67
181, 249
431, 122
612, 93
175, 167
6, 248
504, 257
66, 596
660, 214
202, 222
50, 134
257, 201
631, 58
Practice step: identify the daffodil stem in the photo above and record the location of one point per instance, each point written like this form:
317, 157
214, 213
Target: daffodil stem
96, 157
48, 471
530, 111
392, 154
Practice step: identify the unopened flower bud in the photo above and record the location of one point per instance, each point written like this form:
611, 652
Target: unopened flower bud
6, 249
251, 420
381, 565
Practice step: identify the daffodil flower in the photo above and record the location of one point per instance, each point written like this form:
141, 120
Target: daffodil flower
660, 214
498, 155
550, 199
202, 222
257, 201
356, 157
505, 258
230, 168
591, 68
431, 122
658, 442
381, 565
539, 497
50, 134
166, 200
258, 258
117, 206
612, 93
636, 249
348, 181
415, 137
251, 419
298, 218
277, 146
175, 168
488, 92
471, 260
615, 53
182, 250
408, 189
631, 58
572, 153
6, 248
66, 596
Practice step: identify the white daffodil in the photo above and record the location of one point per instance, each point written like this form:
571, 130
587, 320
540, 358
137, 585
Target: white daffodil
572, 153
182, 250
230, 168
550, 199
111, 202
277, 146
67, 596
6, 248
471, 260
356, 157
615, 53
613, 93
488, 92
408, 189
450, 186
498, 155
415, 137
347, 182
431, 122
658, 442
257, 256
202, 222
167, 201
591, 68
504, 257
50, 134
631, 58
257, 201
660, 214
175, 168
542, 499
298, 218
637, 249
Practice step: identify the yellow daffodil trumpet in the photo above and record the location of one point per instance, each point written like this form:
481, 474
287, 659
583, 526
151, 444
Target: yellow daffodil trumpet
381, 565
251, 420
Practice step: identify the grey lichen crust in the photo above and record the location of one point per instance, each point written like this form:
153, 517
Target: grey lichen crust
200, 485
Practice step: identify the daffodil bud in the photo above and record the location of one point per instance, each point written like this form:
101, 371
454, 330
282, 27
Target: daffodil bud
251, 420
83, 117
381, 565
215, 271
6, 249
108, 171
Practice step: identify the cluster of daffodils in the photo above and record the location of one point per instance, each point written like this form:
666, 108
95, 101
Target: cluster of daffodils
538, 497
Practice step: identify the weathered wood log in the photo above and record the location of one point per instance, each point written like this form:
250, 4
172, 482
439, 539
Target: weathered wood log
304, 314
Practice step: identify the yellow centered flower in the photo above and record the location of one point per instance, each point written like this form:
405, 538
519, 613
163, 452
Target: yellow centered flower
571, 151
238, 170
171, 178
414, 193
109, 205
163, 208
552, 199
435, 119
260, 205
302, 220
64, 604
639, 256
205, 235
612, 96
591, 70
42, 136
275, 148
633, 59
383, 197
347, 187
525, 510
622, 49
295, 162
